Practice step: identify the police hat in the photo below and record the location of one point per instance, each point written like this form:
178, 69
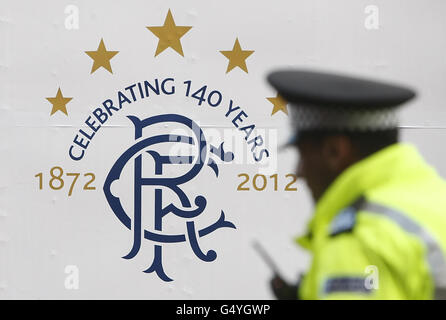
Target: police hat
324, 101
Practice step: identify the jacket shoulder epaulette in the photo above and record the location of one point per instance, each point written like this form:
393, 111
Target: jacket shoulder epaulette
344, 221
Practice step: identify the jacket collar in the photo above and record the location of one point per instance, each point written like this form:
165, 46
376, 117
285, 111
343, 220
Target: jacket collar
365, 175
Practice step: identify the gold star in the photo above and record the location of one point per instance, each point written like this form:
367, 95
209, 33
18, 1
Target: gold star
169, 35
279, 104
237, 57
101, 57
59, 103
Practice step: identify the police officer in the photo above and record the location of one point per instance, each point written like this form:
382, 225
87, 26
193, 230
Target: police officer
379, 226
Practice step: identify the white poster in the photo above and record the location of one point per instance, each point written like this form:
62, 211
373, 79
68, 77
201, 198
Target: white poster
141, 143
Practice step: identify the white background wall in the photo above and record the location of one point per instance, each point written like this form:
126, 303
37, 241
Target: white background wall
41, 232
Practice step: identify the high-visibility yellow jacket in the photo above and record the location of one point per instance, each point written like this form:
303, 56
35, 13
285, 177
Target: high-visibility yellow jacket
379, 231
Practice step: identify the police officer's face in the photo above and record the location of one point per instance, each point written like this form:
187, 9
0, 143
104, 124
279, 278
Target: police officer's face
322, 160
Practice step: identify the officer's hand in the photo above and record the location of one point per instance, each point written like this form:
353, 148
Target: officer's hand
283, 290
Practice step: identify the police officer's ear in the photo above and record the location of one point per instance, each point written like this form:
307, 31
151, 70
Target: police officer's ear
338, 152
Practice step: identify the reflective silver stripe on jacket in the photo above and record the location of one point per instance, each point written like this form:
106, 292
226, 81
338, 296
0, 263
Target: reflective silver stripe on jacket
434, 253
